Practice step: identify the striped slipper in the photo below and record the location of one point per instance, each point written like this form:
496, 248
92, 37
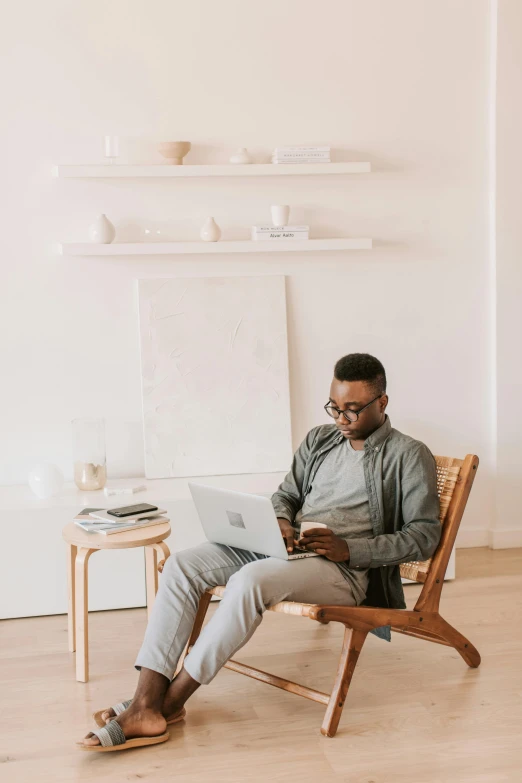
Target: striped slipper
122, 706
112, 737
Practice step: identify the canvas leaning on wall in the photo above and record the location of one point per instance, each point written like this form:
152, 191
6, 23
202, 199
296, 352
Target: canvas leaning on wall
214, 362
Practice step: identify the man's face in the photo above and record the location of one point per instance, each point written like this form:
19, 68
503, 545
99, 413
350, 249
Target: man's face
354, 395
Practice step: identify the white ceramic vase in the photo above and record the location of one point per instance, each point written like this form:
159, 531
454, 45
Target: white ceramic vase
102, 232
241, 156
210, 232
280, 214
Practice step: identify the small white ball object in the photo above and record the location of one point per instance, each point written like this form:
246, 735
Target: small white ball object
46, 480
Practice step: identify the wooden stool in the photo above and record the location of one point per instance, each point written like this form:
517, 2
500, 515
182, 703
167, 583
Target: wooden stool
80, 546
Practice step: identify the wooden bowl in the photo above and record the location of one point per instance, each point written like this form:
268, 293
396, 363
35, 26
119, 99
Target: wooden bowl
174, 151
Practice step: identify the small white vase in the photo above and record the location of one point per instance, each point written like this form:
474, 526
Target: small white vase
280, 214
102, 232
210, 232
241, 156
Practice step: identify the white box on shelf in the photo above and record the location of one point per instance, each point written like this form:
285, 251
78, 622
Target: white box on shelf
117, 577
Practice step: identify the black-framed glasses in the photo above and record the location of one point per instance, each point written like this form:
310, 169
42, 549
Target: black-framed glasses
348, 415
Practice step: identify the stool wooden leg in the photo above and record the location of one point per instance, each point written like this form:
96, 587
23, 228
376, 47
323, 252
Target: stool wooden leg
82, 613
71, 609
152, 568
151, 576
163, 553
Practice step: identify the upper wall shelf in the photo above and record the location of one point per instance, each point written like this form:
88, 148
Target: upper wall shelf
108, 171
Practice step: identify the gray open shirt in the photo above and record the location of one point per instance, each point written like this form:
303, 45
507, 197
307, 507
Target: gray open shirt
401, 481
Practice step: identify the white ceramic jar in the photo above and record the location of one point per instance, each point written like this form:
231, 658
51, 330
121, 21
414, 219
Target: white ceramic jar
210, 232
102, 232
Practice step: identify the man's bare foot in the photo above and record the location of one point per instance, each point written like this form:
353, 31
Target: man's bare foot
134, 722
171, 709
109, 714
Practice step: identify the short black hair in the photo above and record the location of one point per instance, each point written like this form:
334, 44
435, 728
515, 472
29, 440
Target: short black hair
362, 367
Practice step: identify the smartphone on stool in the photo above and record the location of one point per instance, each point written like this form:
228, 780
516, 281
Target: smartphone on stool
128, 513
131, 511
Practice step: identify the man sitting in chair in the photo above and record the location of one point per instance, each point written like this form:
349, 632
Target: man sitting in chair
375, 489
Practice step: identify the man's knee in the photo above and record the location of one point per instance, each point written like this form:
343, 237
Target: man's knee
175, 564
186, 562
194, 566
253, 578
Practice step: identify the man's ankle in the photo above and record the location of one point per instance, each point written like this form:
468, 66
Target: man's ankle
172, 704
143, 705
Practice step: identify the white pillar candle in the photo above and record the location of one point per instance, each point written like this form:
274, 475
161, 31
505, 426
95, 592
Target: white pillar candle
280, 214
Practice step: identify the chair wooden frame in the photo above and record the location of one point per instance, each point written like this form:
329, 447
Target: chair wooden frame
455, 478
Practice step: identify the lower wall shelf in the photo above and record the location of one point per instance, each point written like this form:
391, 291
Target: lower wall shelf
175, 248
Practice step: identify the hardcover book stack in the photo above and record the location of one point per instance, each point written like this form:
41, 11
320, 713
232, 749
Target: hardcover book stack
89, 521
301, 155
279, 232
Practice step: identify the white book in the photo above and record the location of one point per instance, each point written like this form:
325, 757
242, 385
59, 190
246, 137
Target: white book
90, 525
108, 529
267, 229
280, 154
304, 156
280, 235
279, 161
301, 149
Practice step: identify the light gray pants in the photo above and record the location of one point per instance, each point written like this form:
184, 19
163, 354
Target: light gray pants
253, 582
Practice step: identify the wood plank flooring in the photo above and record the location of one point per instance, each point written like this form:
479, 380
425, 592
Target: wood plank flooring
415, 713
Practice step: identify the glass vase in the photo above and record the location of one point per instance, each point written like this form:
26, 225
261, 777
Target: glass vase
90, 469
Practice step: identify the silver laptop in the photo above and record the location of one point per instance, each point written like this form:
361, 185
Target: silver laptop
242, 520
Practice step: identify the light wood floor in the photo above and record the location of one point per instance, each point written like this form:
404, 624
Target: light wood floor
415, 712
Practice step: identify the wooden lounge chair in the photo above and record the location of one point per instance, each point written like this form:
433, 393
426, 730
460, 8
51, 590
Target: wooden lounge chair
454, 480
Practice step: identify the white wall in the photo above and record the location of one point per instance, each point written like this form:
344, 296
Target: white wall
402, 84
507, 529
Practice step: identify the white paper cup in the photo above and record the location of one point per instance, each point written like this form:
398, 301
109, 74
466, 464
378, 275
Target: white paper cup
310, 526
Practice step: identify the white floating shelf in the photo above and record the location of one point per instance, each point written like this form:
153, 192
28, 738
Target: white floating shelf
175, 248
108, 171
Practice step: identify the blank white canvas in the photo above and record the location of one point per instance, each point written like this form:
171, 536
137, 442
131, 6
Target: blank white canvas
214, 376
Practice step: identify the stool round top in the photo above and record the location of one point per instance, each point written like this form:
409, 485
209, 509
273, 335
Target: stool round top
73, 534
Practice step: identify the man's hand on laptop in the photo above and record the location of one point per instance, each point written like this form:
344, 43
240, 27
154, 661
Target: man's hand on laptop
324, 541
288, 533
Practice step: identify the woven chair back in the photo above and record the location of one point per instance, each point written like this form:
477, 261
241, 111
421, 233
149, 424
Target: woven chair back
448, 469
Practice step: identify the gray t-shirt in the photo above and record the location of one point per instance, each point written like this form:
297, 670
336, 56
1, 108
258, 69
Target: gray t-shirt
338, 499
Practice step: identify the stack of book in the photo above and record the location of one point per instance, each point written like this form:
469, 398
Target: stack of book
301, 155
279, 232
87, 520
